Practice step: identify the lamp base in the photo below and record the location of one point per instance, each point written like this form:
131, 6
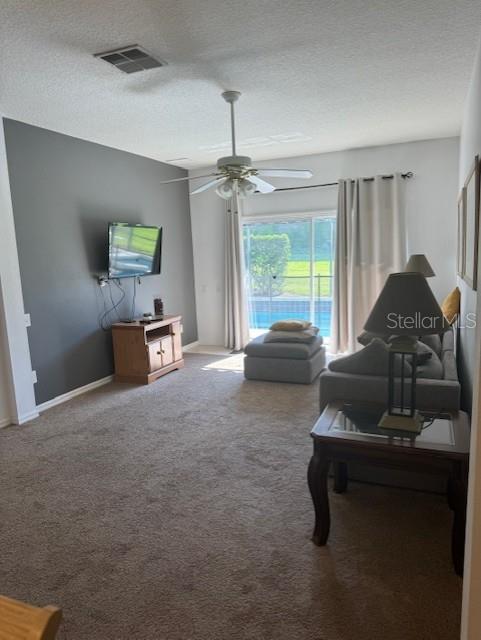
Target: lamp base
413, 424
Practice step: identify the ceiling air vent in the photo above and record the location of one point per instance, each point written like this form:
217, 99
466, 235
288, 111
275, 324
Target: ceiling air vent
131, 59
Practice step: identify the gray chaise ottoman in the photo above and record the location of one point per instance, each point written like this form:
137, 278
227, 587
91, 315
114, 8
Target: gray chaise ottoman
284, 361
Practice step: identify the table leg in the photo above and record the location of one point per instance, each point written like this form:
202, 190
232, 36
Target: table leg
317, 480
458, 499
340, 477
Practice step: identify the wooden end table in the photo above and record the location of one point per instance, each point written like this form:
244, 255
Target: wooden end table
349, 433
20, 620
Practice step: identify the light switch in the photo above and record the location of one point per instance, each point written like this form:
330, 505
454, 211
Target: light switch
28, 321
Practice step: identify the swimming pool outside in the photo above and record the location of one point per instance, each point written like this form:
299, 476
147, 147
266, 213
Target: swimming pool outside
264, 311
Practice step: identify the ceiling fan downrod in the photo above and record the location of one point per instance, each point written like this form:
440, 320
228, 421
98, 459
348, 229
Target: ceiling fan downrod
231, 97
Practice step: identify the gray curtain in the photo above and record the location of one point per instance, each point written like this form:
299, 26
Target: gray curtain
370, 244
236, 316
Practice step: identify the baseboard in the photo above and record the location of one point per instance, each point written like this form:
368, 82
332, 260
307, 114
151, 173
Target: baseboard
26, 417
190, 346
213, 350
72, 394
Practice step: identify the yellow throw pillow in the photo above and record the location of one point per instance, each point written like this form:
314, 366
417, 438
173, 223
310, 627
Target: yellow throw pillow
290, 325
451, 305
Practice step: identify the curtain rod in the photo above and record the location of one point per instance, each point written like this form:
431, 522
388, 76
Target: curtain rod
406, 176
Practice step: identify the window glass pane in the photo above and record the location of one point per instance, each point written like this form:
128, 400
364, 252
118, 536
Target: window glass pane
324, 251
289, 271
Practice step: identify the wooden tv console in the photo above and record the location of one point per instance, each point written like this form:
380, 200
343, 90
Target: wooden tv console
145, 352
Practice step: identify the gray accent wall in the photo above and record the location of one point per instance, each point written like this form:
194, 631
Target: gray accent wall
65, 191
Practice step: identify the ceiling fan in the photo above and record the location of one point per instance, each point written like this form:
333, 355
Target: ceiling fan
236, 173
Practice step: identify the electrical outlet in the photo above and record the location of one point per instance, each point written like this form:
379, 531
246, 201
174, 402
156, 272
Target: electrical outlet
34, 377
28, 320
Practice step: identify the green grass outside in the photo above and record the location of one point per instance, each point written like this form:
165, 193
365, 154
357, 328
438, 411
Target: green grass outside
301, 285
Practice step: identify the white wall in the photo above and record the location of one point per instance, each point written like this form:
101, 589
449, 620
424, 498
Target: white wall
471, 362
470, 145
430, 211
5, 417
208, 228
12, 315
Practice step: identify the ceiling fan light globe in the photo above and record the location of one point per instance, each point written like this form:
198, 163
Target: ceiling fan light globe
225, 190
246, 188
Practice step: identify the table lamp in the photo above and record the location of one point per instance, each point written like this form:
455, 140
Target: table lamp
419, 263
405, 309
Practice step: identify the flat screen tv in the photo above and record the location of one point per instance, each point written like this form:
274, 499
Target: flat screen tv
134, 250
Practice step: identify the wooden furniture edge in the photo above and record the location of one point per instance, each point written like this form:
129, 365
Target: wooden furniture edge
146, 379
40, 622
147, 325
320, 432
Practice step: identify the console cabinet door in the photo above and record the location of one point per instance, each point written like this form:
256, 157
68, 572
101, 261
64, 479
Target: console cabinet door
177, 340
155, 356
167, 351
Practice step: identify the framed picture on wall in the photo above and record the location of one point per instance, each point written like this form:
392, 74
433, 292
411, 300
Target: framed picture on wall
471, 225
460, 261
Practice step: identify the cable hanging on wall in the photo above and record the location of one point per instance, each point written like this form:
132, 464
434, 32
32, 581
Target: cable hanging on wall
114, 304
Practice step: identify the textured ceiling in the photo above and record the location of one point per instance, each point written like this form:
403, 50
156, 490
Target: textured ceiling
316, 75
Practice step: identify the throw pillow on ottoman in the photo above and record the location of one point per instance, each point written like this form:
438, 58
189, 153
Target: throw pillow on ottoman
293, 359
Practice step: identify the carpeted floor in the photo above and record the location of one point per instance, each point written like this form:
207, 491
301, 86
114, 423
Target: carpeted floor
181, 511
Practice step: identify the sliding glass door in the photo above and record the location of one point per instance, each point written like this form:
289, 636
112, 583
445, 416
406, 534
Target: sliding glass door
289, 264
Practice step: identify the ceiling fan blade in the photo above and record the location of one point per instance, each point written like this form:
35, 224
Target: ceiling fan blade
285, 173
208, 185
209, 175
262, 185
